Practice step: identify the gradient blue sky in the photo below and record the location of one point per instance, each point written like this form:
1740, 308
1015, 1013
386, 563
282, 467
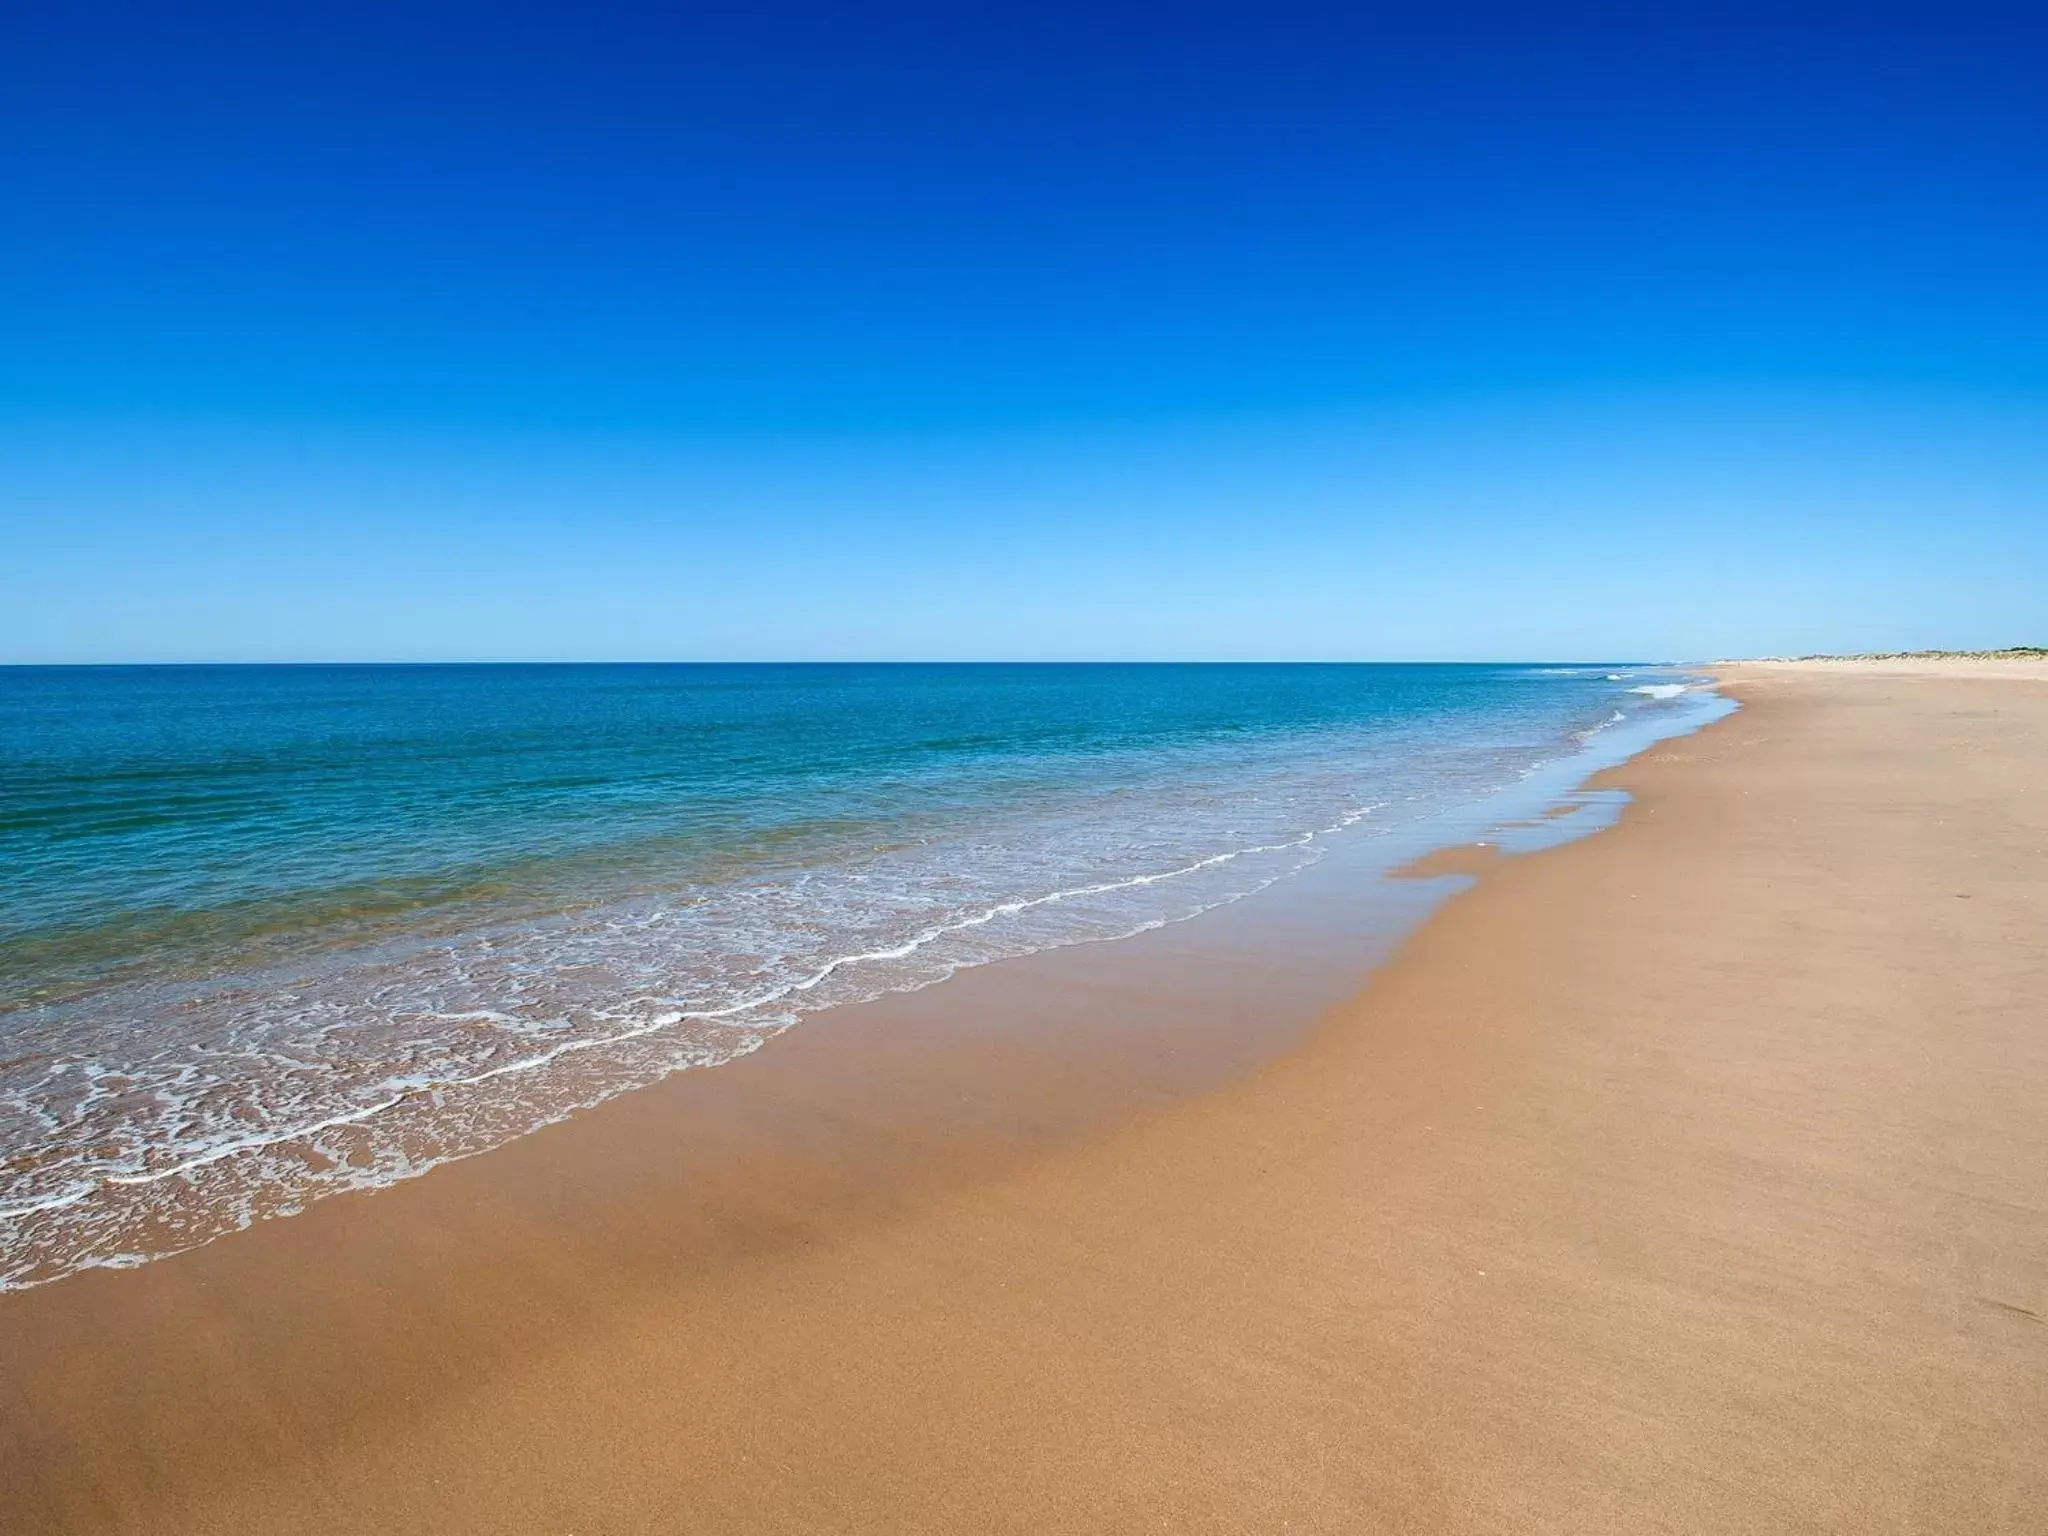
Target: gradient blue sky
884, 331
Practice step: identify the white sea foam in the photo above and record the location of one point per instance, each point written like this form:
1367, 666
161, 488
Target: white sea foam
271, 1090
788, 993
1660, 690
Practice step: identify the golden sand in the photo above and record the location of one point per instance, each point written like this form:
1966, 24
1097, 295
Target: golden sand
1693, 1177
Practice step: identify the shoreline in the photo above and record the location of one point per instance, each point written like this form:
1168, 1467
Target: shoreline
1335, 1290
147, 1213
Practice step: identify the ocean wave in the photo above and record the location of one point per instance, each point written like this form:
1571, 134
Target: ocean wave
142, 1158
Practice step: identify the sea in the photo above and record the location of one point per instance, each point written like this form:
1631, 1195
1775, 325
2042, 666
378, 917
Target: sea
270, 933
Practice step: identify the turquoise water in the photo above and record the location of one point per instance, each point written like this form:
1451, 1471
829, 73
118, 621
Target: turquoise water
271, 932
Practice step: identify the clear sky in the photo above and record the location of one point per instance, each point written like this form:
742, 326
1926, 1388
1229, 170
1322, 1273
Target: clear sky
589, 331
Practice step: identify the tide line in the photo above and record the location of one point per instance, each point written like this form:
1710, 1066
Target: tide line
668, 1020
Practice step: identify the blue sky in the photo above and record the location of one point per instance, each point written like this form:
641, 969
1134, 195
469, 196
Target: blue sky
427, 332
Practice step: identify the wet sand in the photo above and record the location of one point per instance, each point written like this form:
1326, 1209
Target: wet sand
1692, 1177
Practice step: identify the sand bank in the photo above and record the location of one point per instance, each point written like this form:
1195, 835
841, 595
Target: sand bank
1692, 1177
2027, 668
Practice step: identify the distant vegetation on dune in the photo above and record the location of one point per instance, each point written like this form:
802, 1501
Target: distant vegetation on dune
2007, 653
2010, 652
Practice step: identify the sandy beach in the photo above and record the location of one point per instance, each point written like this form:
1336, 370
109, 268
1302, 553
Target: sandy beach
1690, 1177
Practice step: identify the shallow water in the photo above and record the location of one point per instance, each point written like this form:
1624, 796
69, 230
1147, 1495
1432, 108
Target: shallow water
271, 933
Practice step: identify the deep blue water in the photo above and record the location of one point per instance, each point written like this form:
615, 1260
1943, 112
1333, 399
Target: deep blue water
274, 930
